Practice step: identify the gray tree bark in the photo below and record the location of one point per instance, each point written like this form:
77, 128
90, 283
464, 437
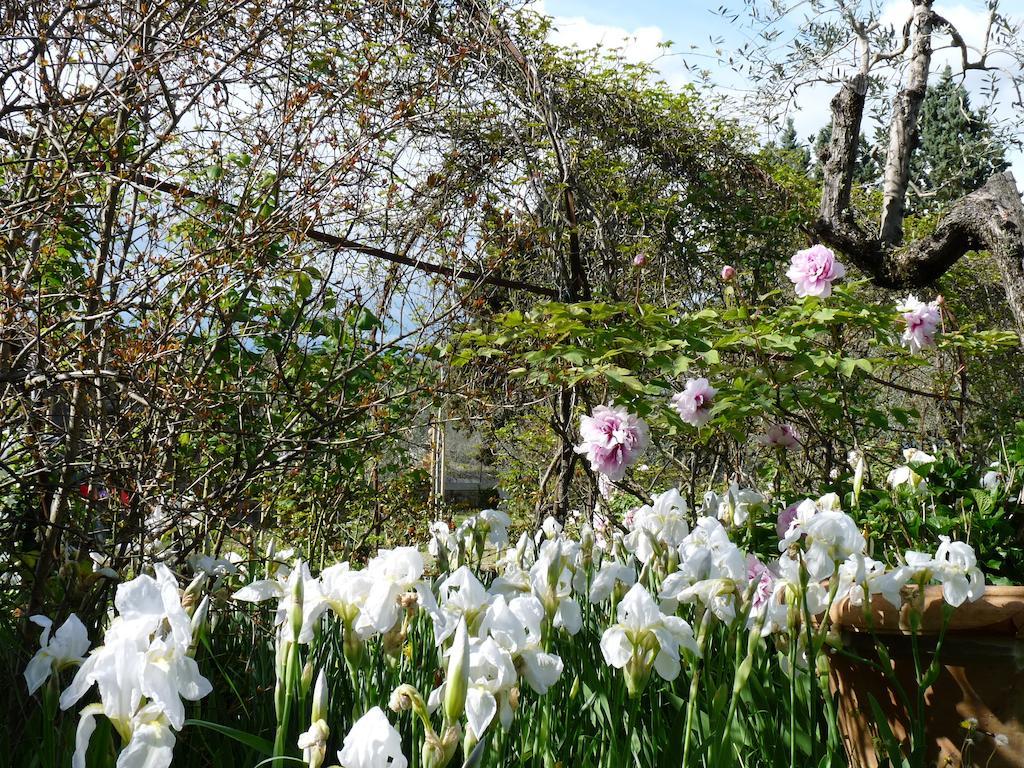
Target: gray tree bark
903, 130
989, 219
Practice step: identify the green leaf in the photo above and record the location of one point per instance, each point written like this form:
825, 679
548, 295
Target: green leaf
366, 320
256, 743
850, 365
622, 376
681, 364
885, 735
477, 755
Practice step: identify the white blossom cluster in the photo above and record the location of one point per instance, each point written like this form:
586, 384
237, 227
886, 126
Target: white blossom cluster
143, 670
667, 567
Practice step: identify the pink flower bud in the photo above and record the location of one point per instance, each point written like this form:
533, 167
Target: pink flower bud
640, 260
728, 273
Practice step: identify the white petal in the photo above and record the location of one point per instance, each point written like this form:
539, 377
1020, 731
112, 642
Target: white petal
602, 585
667, 665
955, 590
530, 611
86, 725
568, 616
259, 591
976, 590
159, 687
191, 684
506, 713
38, 670
47, 625
139, 598
435, 698
380, 611
541, 670
673, 584
72, 638
615, 647
481, 707
81, 683
638, 609
151, 746
373, 742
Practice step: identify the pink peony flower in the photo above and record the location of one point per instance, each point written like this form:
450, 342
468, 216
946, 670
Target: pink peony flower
781, 436
613, 439
694, 403
922, 321
728, 273
640, 260
813, 270
786, 518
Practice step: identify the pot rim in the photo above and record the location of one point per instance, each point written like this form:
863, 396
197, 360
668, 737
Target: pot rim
999, 611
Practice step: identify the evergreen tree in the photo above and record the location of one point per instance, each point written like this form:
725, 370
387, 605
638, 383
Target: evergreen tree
958, 148
792, 148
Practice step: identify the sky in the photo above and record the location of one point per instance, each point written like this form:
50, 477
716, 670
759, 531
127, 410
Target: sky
640, 25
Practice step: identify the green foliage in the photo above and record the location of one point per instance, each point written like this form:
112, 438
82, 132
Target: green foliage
948, 500
789, 144
828, 366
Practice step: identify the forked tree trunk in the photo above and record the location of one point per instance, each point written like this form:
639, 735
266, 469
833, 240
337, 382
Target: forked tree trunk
989, 219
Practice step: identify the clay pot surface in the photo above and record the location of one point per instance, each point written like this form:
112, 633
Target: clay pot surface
982, 676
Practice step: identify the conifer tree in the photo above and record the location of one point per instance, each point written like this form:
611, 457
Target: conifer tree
958, 150
794, 150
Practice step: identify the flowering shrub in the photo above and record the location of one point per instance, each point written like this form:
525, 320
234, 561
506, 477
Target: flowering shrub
821, 365
664, 640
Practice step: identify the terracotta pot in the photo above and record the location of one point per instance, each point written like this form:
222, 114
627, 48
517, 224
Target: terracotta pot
982, 677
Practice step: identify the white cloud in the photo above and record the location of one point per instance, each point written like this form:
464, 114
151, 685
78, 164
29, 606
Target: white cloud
642, 45
638, 45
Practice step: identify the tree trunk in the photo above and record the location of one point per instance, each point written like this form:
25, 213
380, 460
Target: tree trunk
570, 266
839, 160
567, 459
903, 127
989, 219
